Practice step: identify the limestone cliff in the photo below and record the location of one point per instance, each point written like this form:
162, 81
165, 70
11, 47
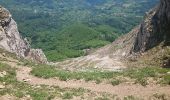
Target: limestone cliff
11, 40
155, 28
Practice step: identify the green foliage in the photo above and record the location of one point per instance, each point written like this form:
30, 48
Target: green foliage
11, 73
47, 72
130, 98
160, 96
95, 43
115, 82
102, 98
67, 95
54, 55
166, 79
142, 74
70, 42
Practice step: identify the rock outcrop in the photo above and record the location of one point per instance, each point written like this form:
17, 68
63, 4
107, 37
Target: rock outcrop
155, 28
11, 40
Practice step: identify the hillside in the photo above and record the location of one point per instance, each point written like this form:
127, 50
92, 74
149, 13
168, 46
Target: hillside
127, 69
146, 45
21, 80
43, 22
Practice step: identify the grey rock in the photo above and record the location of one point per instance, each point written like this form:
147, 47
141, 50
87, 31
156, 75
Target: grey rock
2, 86
12, 41
37, 55
155, 28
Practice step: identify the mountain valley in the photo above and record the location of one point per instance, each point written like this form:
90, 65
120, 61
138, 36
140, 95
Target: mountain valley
88, 57
66, 29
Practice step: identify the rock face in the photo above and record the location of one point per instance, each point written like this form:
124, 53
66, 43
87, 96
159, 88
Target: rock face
11, 40
155, 28
37, 55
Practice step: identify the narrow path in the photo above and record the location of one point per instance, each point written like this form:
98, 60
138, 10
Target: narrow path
120, 90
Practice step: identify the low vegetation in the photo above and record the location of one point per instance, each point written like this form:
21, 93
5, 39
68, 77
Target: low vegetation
23, 90
140, 75
130, 98
160, 96
50, 71
115, 82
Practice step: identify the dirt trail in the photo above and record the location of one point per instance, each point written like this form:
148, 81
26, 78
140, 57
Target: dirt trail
122, 90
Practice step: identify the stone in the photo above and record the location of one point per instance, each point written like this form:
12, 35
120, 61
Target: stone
2, 86
26, 80
166, 63
37, 55
3, 74
3, 54
12, 41
155, 28
28, 96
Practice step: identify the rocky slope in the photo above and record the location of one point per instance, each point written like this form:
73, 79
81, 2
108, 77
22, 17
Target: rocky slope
155, 28
11, 40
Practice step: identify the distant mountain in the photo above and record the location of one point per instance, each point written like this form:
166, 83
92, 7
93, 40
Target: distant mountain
46, 23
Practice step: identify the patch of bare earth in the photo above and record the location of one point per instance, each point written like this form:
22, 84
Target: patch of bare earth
7, 97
